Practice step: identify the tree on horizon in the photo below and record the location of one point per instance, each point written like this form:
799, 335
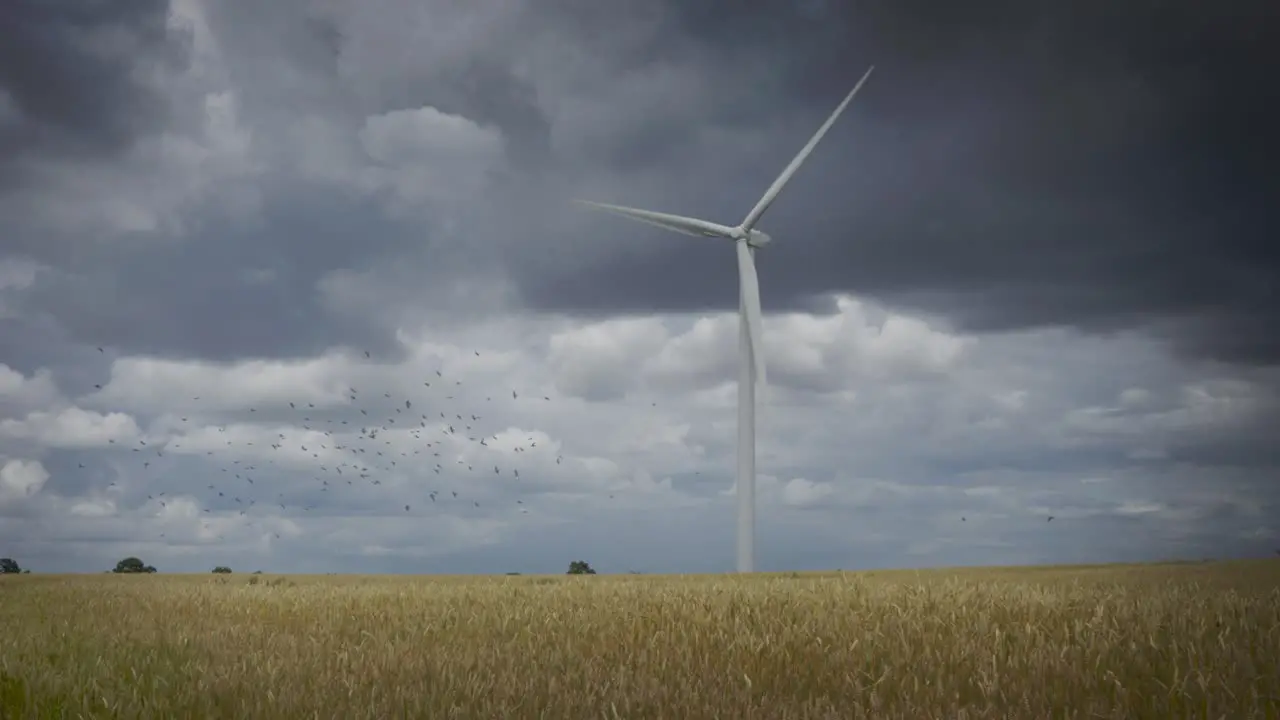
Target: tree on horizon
132, 565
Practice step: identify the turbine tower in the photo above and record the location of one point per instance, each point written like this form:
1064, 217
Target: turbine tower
751, 358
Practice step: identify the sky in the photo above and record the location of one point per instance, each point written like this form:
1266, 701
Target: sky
298, 286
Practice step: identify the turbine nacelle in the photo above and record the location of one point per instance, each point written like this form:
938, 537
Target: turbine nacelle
754, 238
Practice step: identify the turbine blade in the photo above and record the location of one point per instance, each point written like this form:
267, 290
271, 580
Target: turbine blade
754, 216
750, 308
677, 223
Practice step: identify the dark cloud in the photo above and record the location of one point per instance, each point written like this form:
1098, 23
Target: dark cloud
188, 296
28, 344
311, 52
77, 473
234, 290
71, 77
1009, 165
282, 58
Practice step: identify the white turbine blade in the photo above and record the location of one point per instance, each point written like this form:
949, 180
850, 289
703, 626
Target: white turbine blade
754, 216
750, 309
677, 223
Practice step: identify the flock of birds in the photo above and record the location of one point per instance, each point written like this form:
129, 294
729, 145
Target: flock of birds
392, 437
358, 452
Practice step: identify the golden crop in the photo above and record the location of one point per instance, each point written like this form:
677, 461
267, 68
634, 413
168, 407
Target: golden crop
1157, 641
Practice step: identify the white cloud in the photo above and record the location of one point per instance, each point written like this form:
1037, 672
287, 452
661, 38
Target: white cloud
799, 492
1210, 405
1134, 397
599, 361
1012, 401
71, 428
20, 394
984, 491
858, 444
20, 479
17, 273
659, 448
1139, 508
95, 508
153, 384
606, 360
424, 156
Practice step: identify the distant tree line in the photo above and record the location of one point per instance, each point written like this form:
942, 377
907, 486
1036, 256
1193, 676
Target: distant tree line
133, 565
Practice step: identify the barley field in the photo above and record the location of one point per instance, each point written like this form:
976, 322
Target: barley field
1166, 641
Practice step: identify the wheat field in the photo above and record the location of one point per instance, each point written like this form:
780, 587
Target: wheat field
1155, 641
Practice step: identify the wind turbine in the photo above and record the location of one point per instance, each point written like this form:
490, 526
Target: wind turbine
751, 358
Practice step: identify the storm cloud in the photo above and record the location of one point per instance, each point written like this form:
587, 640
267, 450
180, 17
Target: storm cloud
1010, 165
